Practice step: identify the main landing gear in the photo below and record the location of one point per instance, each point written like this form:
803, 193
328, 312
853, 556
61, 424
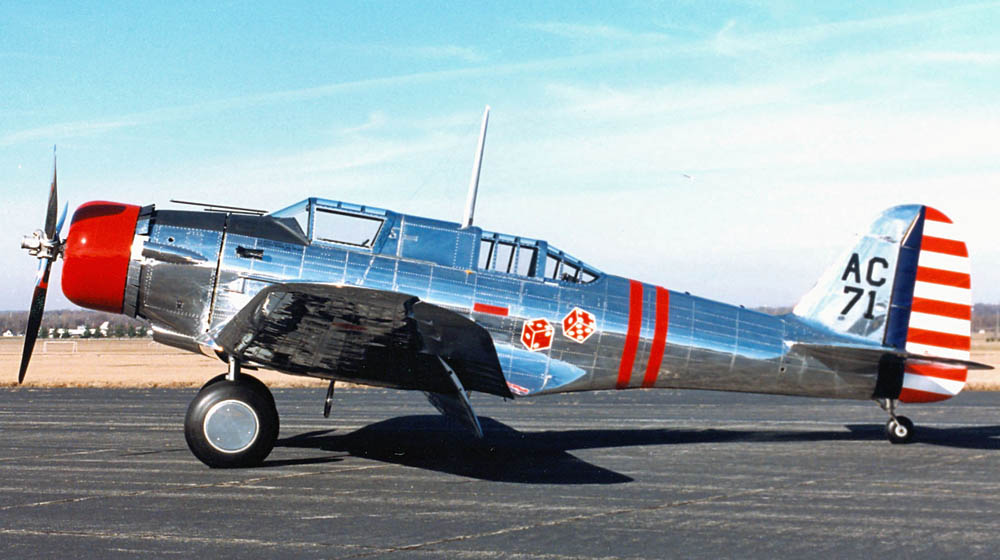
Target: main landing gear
232, 422
899, 429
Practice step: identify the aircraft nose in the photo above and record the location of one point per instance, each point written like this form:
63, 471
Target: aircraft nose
97, 252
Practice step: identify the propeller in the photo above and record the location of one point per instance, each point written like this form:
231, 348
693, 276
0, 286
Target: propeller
46, 245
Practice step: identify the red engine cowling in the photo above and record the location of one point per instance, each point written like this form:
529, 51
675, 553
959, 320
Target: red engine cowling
97, 252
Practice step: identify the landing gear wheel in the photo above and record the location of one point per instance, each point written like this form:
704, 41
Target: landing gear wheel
899, 429
232, 424
249, 379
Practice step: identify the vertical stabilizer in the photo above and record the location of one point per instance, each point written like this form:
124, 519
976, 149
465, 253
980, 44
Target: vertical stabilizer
853, 296
904, 285
470, 201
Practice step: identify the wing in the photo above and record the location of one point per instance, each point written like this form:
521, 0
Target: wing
368, 336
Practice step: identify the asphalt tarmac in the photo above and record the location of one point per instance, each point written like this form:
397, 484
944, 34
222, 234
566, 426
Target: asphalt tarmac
634, 474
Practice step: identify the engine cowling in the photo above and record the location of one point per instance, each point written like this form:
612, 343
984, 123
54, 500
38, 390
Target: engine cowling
97, 252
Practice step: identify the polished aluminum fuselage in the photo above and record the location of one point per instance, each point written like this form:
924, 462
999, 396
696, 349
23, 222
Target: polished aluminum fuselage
192, 271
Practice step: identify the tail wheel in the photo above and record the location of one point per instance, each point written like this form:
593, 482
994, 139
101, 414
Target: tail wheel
232, 424
899, 429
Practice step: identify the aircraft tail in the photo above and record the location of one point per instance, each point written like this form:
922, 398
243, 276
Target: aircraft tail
905, 285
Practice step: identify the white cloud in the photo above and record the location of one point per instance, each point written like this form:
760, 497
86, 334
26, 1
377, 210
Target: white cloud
592, 32
728, 42
376, 120
427, 52
957, 57
70, 129
466, 54
679, 100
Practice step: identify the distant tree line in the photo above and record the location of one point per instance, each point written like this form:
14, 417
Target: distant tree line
119, 326
986, 317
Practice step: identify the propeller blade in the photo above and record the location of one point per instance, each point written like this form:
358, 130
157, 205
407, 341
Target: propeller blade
35, 315
47, 249
53, 209
62, 220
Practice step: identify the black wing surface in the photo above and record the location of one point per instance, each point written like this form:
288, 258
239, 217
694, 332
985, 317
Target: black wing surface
369, 336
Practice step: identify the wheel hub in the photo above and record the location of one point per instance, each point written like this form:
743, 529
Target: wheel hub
899, 429
231, 426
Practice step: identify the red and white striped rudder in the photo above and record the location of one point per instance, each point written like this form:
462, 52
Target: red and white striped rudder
941, 313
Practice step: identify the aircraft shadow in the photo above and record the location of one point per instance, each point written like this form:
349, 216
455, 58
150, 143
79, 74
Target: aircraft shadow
506, 455
975, 437
432, 442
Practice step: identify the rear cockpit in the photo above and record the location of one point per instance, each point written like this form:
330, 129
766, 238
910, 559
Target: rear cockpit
521, 256
368, 229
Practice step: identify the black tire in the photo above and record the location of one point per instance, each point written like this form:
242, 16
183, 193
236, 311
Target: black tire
899, 430
249, 379
244, 418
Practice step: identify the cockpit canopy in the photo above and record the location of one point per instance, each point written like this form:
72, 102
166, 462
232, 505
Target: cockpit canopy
522, 256
331, 221
369, 229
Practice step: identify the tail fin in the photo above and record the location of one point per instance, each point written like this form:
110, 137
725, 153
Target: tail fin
905, 285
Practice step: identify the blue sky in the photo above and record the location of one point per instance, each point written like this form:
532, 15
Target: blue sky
729, 149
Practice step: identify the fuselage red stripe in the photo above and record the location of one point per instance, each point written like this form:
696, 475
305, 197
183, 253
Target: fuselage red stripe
939, 339
946, 246
491, 309
943, 308
659, 337
943, 277
632, 336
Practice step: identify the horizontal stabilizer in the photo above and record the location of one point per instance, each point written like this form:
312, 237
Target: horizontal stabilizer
860, 358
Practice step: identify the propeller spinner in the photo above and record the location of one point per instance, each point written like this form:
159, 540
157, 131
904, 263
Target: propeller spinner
46, 245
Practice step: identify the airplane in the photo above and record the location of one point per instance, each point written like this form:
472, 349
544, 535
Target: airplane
350, 292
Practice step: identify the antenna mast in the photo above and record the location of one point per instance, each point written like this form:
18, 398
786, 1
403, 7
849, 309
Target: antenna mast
470, 202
